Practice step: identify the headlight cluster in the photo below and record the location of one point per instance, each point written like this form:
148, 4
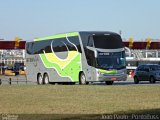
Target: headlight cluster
100, 73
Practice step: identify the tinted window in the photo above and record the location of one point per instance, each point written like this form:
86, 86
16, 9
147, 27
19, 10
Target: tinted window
90, 42
111, 60
58, 45
29, 48
140, 68
146, 68
155, 67
40, 47
62, 45
75, 40
90, 57
108, 41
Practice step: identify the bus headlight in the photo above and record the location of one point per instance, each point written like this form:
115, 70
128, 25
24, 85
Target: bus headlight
100, 73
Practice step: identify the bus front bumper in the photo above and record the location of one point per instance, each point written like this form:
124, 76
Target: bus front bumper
118, 77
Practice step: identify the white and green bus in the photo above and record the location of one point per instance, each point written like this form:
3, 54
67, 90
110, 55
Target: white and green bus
76, 57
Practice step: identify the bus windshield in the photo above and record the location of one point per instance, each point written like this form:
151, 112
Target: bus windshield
111, 60
107, 41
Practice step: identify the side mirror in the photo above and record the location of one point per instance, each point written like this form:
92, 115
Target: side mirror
88, 48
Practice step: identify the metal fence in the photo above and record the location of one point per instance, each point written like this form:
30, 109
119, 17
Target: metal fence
12, 61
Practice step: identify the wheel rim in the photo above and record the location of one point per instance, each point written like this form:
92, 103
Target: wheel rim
46, 79
40, 79
83, 79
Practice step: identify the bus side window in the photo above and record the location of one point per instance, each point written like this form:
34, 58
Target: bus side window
90, 42
75, 40
90, 58
29, 48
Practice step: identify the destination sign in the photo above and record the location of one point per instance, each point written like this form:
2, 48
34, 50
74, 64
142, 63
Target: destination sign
103, 53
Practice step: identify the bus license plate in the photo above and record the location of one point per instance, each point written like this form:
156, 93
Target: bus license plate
113, 78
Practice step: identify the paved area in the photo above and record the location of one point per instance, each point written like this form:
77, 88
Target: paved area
21, 79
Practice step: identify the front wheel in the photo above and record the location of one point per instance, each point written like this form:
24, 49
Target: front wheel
109, 82
82, 79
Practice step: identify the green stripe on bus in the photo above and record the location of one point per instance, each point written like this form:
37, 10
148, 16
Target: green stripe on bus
58, 36
71, 70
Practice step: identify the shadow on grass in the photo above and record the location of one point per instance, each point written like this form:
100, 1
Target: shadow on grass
139, 114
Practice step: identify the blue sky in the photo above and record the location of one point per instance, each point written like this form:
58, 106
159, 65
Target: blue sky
29, 19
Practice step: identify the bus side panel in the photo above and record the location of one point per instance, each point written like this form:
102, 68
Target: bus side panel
32, 67
66, 70
60, 65
69, 73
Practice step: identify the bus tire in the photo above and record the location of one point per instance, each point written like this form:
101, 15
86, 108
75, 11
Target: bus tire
39, 79
82, 79
109, 82
45, 79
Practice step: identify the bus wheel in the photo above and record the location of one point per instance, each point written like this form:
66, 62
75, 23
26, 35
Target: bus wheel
45, 78
82, 79
109, 82
39, 79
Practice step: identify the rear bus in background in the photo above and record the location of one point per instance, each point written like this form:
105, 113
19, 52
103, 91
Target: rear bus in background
76, 57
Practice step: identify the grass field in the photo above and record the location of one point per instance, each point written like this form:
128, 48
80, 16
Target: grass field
76, 99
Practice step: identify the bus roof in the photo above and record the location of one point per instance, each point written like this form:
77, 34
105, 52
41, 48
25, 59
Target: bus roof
69, 34
99, 32
57, 36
